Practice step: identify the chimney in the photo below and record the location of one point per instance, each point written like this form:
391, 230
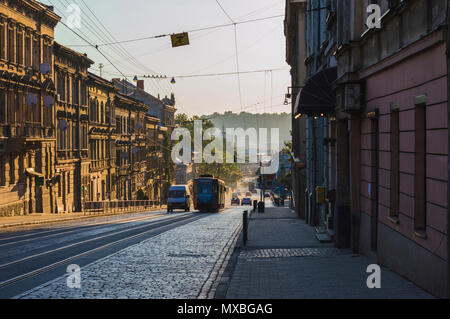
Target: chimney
140, 84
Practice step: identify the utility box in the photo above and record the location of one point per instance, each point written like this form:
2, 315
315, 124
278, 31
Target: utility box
320, 195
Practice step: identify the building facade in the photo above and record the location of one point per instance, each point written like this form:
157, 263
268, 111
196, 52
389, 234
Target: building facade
102, 138
27, 95
72, 162
395, 95
155, 159
164, 110
67, 136
384, 130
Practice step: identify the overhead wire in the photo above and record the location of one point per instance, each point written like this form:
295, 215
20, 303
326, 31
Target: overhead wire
121, 49
190, 31
96, 31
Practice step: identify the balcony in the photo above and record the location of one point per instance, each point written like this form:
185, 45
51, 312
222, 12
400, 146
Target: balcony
27, 132
100, 164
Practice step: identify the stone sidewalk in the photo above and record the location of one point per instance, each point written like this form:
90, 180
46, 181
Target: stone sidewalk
284, 260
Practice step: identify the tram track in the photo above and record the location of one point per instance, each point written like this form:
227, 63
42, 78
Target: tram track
142, 231
73, 229
70, 228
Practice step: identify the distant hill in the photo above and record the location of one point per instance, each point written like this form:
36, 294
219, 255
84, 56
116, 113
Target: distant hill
246, 120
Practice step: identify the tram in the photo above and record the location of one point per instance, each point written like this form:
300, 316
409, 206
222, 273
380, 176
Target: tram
209, 194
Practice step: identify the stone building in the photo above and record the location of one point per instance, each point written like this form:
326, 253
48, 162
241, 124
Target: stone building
382, 117
101, 135
27, 95
72, 163
392, 91
155, 159
130, 146
164, 110
295, 26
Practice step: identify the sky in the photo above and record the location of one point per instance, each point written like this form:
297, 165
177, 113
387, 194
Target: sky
260, 45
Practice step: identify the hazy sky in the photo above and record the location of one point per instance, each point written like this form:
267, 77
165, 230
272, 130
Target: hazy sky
261, 46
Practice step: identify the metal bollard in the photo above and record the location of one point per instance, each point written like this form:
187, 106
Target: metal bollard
245, 227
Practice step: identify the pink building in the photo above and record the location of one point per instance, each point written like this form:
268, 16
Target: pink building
393, 89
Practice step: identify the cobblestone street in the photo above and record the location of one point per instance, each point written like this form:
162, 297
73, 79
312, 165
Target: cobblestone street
174, 264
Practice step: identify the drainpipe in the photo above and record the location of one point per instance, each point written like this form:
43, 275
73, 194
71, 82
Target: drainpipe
448, 183
314, 173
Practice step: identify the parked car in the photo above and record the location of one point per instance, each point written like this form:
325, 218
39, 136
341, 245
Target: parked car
267, 195
235, 201
179, 198
246, 201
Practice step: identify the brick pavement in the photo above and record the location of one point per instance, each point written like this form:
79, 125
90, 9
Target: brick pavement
283, 260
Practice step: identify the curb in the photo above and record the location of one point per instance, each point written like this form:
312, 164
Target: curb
50, 221
209, 287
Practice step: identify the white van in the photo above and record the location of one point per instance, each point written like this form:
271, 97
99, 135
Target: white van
179, 198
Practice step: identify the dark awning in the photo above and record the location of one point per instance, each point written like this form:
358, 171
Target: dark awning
317, 97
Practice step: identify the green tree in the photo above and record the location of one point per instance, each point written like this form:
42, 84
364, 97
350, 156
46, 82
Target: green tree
227, 172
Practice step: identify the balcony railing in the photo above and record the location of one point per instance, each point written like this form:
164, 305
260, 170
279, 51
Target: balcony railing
27, 130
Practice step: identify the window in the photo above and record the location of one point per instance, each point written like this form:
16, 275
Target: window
19, 46
47, 52
102, 113
11, 99
28, 50
68, 183
68, 131
2, 106
36, 53
48, 116
83, 138
75, 91
420, 166
68, 100
395, 163
74, 137
11, 46
118, 125
2, 41
19, 108
108, 115
97, 112
83, 94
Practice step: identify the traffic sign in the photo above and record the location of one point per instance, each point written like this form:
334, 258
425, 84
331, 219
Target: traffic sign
180, 39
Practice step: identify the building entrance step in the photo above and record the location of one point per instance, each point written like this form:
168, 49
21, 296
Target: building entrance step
324, 238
